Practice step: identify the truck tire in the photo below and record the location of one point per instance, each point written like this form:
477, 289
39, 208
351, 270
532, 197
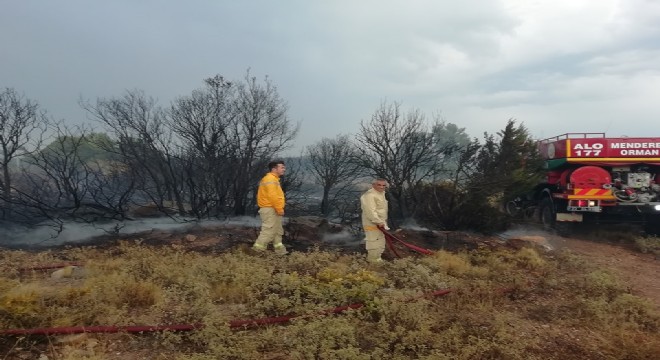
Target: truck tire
547, 214
652, 225
512, 209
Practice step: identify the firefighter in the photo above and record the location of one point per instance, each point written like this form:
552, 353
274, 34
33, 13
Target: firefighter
374, 218
270, 199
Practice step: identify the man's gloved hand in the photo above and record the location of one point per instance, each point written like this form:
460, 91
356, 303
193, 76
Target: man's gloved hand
383, 227
280, 213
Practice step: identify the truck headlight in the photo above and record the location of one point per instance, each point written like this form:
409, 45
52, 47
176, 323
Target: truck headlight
657, 208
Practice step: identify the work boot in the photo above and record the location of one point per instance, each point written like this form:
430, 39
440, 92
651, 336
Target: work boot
374, 257
258, 248
280, 249
375, 264
373, 260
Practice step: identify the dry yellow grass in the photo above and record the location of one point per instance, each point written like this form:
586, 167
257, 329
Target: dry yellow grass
506, 305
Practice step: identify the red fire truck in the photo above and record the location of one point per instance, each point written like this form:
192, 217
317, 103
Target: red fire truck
594, 178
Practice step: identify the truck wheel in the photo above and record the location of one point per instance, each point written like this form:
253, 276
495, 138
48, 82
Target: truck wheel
547, 214
652, 225
512, 209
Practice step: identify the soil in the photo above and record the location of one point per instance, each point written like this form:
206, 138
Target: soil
640, 271
609, 247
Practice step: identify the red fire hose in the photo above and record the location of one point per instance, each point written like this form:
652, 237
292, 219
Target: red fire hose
245, 324
49, 267
391, 239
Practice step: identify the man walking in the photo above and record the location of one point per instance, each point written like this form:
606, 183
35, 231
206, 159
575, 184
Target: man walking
270, 199
374, 218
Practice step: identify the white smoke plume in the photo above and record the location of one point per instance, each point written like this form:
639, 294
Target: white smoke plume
16, 236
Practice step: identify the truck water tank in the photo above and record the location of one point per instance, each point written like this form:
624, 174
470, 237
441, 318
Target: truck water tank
590, 177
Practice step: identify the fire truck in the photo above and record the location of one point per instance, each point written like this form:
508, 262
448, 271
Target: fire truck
599, 179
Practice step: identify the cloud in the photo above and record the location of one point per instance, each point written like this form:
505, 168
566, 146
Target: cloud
556, 65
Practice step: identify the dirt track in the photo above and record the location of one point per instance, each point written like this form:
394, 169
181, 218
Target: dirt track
640, 271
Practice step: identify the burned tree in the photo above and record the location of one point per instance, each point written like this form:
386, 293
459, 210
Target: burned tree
260, 130
400, 148
21, 126
332, 165
201, 120
76, 178
145, 144
229, 132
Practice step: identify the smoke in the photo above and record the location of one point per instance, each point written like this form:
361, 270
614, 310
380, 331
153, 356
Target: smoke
411, 224
532, 234
17, 236
342, 236
521, 230
244, 221
76, 233
342, 239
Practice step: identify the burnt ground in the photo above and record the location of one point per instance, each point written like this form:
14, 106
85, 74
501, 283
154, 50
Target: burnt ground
640, 271
301, 234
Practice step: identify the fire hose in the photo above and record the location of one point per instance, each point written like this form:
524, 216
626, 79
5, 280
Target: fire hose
390, 240
49, 267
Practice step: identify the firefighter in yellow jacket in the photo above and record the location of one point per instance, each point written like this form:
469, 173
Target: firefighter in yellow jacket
374, 217
270, 199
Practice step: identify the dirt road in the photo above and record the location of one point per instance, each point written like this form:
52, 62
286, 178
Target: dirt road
640, 271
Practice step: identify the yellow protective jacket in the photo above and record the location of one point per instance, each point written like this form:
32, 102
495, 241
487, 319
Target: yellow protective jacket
374, 209
270, 193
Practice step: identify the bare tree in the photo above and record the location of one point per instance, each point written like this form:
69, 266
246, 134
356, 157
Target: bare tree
331, 166
202, 120
60, 163
83, 182
292, 185
146, 145
260, 131
21, 122
400, 148
230, 131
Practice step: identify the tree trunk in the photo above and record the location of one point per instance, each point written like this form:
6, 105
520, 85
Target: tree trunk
6, 191
325, 205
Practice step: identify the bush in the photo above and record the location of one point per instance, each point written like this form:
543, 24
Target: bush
648, 245
442, 206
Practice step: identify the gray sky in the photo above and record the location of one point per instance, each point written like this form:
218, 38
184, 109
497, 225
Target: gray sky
556, 65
